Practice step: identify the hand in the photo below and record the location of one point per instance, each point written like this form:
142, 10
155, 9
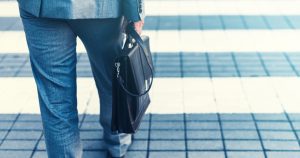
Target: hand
138, 26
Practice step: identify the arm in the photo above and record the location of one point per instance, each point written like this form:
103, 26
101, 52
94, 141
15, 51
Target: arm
134, 11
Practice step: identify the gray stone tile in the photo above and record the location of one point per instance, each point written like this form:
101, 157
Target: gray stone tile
294, 116
205, 145
282, 154
242, 134
247, 154
139, 145
252, 74
189, 22
201, 117
162, 117
13, 144
277, 22
239, 125
296, 125
40, 154
204, 134
8, 117
94, 154
279, 135
24, 135
144, 126
28, 126
281, 145
2, 134
206, 154
203, 125
141, 134
29, 117
136, 154
270, 117
255, 22
15, 154
243, 145
5, 125
91, 118
167, 145
91, 134
274, 126
93, 145
167, 134
233, 22
172, 154
167, 125
236, 117
91, 126
41, 145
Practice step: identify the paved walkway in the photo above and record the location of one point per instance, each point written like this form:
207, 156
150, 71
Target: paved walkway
226, 83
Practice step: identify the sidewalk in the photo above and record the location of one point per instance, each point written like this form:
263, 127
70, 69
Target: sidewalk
226, 83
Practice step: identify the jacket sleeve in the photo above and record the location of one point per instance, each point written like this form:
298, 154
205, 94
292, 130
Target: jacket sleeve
133, 10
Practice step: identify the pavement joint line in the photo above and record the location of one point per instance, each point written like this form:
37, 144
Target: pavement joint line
252, 115
20, 68
286, 114
10, 129
36, 145
85, 110
218, 114
291, 64
288, 22
263, 64
149, 136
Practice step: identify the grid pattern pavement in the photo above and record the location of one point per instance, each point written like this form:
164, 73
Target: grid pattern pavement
170, 135
184, 65
227, 88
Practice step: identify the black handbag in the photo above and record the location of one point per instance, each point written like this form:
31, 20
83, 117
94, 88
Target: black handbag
132, 80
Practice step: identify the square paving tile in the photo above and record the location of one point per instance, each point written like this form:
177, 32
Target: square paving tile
243, 145
204, 134
278, 135
282, 154
281, 145
24, 135
136, 154
212, 154
172, 154
274, 126
15, 154
179, 134
18, 145
247, 154
240, 134
203, 125
205, 145
167, 145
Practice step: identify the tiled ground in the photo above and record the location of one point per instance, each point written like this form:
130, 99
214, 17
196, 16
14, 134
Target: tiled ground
226, 83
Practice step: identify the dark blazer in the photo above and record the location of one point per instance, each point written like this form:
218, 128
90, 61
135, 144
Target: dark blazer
133, 10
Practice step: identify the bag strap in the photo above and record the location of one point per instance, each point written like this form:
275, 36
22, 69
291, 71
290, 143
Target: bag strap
139, 41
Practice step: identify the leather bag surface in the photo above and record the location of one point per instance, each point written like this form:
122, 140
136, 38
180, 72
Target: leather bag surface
132, 81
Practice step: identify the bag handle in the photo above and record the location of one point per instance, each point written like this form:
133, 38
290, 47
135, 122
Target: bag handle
139, 41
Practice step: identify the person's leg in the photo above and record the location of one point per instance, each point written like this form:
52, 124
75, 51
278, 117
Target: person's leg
52, 50
101, 39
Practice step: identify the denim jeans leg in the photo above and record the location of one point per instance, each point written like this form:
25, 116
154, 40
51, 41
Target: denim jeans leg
101, 39
52, 50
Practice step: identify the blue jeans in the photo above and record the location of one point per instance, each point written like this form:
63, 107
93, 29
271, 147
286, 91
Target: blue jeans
52, 50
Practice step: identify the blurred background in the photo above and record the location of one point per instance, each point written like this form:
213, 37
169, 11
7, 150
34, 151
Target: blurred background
226, 83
